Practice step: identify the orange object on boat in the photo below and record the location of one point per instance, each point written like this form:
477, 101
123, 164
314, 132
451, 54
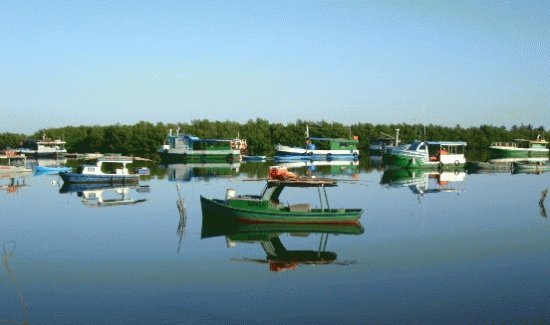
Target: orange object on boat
282, 173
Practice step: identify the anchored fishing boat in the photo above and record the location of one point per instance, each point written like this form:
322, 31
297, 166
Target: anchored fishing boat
520, 148
43, 148
254, 158
42, 170
266, 207
188, 148
11, 162
118, 172
427, 154
318, 148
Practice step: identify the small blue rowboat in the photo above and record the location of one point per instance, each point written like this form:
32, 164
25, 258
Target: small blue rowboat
43, 170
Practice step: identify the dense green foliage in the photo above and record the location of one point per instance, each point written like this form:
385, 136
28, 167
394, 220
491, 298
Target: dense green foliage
144, 138
11, 140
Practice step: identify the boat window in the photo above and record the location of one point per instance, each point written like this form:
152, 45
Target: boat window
415, 145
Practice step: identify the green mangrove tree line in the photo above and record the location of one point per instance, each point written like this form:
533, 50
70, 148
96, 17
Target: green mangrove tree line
144, 138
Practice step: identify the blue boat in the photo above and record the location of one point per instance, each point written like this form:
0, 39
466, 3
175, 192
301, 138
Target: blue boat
46, 170
95, 174
254, 158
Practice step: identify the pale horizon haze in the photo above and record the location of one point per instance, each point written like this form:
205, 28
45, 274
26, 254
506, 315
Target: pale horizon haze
432, 62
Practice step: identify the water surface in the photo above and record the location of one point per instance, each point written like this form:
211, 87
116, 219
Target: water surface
453, 248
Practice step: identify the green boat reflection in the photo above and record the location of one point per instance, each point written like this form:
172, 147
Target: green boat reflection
421, 181
187, 171
322, 168
278, 257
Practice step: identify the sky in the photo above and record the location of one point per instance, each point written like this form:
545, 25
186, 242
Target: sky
440, 62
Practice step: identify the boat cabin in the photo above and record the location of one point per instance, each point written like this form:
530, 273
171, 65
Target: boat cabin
186, 142
115, 165
315, 143
445, 152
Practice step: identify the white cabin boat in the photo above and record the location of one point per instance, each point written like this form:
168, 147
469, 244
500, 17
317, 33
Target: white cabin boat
44, 148
11, 162
96, 174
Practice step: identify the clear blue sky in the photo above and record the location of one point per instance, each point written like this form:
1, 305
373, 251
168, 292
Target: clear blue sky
441, 62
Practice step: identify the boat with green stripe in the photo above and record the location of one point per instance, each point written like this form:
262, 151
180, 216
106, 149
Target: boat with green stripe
520, 148
266, 207
188, 148
427, 154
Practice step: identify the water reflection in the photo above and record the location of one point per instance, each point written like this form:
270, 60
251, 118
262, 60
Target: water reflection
183, 217
13, 182
8, 254
185, 172
268, 235
522, 159
104, 195
425, 181
318, 168
542, 207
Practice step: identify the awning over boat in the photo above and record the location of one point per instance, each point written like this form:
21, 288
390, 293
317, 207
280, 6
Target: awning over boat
274, 188
447, 143
333, 139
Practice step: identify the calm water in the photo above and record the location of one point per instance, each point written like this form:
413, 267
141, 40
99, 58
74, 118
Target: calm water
461, 248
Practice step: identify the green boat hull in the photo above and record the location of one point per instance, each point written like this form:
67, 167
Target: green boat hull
517, 153
404, 161
202, 158
263, 214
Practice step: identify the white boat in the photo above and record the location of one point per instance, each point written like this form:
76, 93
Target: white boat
44, 148
95, 173
318, 148
11, 162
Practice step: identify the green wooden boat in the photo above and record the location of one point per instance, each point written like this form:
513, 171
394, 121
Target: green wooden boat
188, 148
266, 208
427, 154
519, 148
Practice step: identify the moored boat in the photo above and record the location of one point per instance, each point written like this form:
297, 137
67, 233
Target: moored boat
254, 158
51, 169
95, 173
520, 148
267, 208
319, 148
11, 162
43, 148
189, 148
427, 154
